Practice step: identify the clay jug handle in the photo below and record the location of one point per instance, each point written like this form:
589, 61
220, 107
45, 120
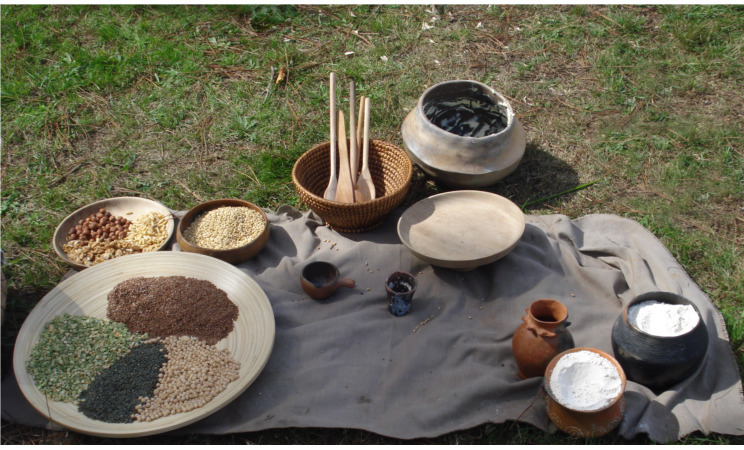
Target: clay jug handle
542, 332
538, 330
533, 327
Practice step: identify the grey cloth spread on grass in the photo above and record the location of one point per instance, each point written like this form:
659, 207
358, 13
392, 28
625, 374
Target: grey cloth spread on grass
346, 362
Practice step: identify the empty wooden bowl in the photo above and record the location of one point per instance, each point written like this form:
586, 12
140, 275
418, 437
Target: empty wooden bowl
461, 230
128, 207
233, 255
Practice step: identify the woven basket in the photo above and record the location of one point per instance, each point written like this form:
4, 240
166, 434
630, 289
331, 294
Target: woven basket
391, 172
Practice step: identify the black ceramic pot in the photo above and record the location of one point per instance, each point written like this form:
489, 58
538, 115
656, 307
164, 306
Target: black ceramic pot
658, 362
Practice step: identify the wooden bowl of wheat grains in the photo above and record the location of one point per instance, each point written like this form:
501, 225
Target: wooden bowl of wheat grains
232, 230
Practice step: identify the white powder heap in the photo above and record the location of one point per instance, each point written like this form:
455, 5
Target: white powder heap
585, 381
663, 319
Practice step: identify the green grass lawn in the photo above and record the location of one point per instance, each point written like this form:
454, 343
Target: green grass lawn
629, 110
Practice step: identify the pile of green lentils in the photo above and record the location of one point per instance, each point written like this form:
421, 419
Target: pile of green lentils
121, 373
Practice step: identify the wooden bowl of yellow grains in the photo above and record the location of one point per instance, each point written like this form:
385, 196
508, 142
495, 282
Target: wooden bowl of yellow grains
228, 229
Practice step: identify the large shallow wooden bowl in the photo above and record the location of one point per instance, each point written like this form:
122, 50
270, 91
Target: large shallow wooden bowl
85, 293
233, 255
128, 207
461, 230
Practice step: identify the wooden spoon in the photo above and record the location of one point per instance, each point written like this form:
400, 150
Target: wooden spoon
345, 188
365, 188
354, 145
330, 192
360, 121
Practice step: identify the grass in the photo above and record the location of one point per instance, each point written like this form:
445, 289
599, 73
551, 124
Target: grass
629, 110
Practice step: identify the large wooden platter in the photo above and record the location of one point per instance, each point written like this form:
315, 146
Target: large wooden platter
461, 230
85, 293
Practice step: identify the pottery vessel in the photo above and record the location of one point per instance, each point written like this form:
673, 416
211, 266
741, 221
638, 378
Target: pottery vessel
464, 134
585, 424
658, 362
400, 287
541, 336
322, 279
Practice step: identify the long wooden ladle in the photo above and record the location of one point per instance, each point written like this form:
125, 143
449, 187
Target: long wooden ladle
353, 142
330, 192
365, 188
345, 188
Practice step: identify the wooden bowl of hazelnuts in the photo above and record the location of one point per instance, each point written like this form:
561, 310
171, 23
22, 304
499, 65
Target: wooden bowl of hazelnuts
111, 228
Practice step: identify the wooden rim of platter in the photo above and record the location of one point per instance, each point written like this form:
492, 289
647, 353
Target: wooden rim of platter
85, 293
461, 230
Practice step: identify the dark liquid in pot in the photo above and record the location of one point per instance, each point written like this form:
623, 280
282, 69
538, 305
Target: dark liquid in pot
474, 115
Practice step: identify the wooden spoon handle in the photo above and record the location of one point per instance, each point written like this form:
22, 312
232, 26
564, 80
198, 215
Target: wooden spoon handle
365, 141
334, 125
353, 143
330, 191
360, 122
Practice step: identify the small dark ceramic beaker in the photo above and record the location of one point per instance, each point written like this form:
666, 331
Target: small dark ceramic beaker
400, 287
321, 279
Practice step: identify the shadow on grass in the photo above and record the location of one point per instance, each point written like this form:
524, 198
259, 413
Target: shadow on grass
535, 184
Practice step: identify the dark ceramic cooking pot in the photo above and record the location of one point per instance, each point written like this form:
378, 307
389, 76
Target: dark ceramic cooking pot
658, 362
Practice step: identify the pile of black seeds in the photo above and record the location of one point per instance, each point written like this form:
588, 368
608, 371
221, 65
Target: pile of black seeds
173, 306
114, 394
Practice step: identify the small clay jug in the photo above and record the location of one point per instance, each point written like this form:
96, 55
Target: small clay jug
541, 336
321, 279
